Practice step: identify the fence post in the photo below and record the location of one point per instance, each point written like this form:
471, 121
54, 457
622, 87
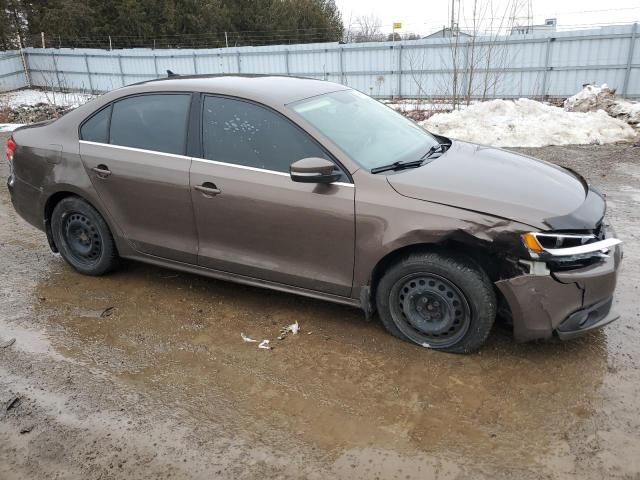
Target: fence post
342, 81
547, 67
238, 62
55, 66
286, 60
627, 73
155, 64
86, 62
195, 63
465, 72
121, 70
399, 92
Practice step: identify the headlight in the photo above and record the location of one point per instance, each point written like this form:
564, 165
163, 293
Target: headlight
541, 245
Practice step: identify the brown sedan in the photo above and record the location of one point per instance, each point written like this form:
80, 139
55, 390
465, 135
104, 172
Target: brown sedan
313, 188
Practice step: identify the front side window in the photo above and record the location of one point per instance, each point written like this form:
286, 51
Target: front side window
155, 122
96, 129
242, 133
369, 132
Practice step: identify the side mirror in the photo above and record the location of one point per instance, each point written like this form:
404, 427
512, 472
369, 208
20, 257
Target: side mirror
314, 170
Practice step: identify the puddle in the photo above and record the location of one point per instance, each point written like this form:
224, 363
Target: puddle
347, 385
28, 340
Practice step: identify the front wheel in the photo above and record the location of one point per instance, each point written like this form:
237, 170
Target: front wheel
437, 301
83, 237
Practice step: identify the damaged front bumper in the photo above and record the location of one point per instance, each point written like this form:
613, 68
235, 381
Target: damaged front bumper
569, 302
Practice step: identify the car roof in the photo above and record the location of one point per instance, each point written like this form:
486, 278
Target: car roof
276, 90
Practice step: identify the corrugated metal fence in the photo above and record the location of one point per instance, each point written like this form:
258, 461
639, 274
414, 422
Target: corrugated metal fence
554, 65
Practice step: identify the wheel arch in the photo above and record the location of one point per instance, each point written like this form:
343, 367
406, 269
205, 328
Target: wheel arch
56, 197
482, 253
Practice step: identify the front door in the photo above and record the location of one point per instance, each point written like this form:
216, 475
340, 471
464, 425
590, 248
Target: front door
134, 153
252, 219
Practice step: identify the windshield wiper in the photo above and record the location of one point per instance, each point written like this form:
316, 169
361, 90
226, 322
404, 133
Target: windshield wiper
398, 166
438, 148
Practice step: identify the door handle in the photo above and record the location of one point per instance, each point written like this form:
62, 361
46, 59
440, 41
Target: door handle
208, 189
102, 171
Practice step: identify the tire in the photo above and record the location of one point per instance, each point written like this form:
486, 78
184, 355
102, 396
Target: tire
83, 237
438, 301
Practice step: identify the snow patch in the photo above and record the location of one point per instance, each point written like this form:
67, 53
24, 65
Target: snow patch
528, 123
9, 127
34, 97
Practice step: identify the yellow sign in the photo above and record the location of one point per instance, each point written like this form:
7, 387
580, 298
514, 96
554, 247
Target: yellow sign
397, 25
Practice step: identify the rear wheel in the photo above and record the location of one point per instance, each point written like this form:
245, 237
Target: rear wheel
83, 237
437, 301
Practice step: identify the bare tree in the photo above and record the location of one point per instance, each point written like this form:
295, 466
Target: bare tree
368, 29
474, 58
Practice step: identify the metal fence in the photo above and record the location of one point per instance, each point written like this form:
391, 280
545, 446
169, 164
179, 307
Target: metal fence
552, 64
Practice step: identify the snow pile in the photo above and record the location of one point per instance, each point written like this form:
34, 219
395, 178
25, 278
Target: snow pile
527, 123
9, 127
626, 111
32, 97
592, 98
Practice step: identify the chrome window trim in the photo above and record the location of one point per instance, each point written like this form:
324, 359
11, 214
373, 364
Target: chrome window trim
262, 170
224, 164
134, 149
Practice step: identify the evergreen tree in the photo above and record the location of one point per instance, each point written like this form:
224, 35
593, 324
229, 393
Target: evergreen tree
170, 23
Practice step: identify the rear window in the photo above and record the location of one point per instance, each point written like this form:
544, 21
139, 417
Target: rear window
96, 128
151, 122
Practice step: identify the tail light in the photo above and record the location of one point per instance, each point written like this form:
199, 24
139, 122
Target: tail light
11, 148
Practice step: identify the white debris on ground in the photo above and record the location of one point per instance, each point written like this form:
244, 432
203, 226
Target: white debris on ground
592, 98
528, 123
293, 328
247, 339
34, 97
263, 344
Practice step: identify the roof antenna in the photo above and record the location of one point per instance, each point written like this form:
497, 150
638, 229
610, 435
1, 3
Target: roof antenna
171, 74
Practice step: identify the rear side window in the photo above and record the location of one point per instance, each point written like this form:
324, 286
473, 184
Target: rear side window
151, 122
96, 129
246, 134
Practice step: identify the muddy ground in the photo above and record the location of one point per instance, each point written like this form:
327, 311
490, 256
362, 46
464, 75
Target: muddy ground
164, 387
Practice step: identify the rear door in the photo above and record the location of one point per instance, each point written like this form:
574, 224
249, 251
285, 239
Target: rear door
252, 219
134, 151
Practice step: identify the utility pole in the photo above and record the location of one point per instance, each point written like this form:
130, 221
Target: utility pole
453, 15
454, 20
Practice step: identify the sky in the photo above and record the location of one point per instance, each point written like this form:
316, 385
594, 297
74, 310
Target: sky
427, 16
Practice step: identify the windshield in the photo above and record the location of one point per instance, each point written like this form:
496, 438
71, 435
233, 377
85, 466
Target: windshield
371, 134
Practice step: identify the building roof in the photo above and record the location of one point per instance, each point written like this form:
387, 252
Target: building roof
446, 33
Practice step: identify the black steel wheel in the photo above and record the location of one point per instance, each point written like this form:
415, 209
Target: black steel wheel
430, 310
437, 300
83, 237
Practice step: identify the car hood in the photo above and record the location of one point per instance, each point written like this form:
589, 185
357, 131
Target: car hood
496, 182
